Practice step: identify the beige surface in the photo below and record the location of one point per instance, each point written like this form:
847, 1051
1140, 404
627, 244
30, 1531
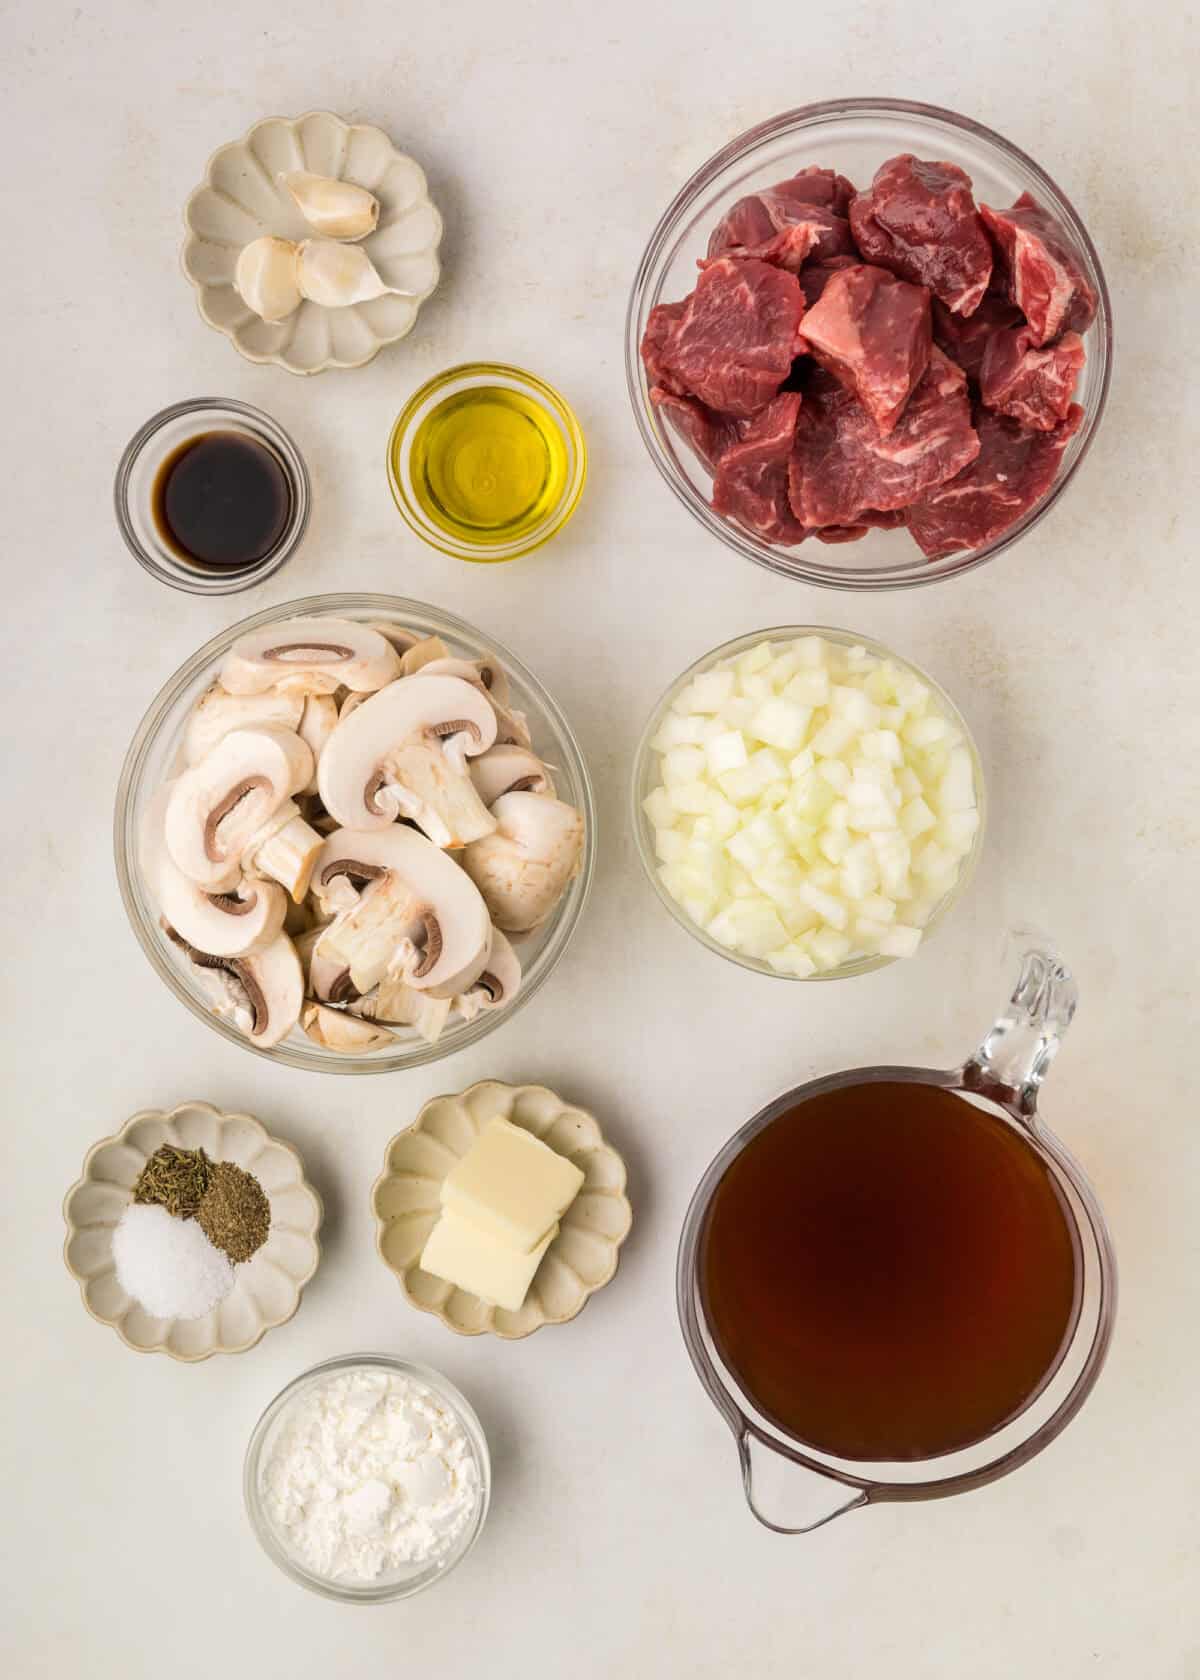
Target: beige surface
553, 135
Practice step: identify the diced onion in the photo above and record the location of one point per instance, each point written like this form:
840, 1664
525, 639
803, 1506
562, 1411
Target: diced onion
815, 805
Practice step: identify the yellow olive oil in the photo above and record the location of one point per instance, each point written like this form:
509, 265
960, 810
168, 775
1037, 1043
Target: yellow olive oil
488, 465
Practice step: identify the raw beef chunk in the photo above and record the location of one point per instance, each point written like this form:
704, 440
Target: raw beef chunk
660, 325
868, 519
815, 185
966, 340
919, 220
1013, 470
1044, 269
784, 224
816, 275
709, 434
872, 332
841, 465
751, 485
1030, 385
734, 342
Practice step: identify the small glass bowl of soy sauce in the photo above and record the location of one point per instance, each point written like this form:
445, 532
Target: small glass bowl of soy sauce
212, 496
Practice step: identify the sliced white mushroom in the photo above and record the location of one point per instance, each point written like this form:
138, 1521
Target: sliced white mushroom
336, 1030
450, 719
217, 712
400, 636
336, 275
225, 924
317, 723
418, 917
309, 656
502, 770
523, 868
351, 703
486, 675
422, 653
285, 848
217, 806
262, 993
489, 673
337, 209
266, 278
497, 985
400, 1004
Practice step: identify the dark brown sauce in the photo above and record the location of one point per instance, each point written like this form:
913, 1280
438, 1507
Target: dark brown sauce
221, 500
889, 1272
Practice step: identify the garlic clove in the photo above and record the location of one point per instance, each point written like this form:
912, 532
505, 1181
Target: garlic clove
336, 275
336, 209
265, 278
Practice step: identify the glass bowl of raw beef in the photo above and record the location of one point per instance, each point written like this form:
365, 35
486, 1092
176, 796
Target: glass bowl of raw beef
869, 344
369, 769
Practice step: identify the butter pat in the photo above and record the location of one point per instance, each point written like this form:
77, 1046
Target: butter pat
511, 1185
480, 1263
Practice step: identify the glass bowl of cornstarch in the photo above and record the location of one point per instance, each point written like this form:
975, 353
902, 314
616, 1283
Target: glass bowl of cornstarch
367, 1479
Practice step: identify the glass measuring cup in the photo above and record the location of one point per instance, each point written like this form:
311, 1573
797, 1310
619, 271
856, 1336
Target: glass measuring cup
793, 1487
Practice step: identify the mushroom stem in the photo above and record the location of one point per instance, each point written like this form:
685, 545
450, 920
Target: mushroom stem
427, 782
285, 849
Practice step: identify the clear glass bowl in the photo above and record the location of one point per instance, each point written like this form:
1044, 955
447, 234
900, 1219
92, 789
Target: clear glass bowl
646, 777
137, 471
409, 1582
853, 136
449, 384
151, 760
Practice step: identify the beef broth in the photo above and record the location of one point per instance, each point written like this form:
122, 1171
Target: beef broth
889, 1272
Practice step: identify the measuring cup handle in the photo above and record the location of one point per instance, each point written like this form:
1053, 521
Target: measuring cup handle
792, 1479
1011, 1063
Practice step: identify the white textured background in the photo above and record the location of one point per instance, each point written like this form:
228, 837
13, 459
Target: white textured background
553, 135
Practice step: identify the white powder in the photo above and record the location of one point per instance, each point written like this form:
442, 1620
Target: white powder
369, 1472
168, 1264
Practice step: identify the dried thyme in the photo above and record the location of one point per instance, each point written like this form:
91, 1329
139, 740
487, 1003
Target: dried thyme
175, 1179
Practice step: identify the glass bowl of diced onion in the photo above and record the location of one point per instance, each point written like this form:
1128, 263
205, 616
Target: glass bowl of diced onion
738, 803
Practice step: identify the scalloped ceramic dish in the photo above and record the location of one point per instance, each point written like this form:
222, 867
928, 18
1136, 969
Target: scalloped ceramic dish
268, 1287
580, 1260
240, 200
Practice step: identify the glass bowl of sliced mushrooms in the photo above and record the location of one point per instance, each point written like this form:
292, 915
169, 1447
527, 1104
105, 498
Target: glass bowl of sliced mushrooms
354, 834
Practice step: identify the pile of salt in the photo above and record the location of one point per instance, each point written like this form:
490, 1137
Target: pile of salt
168, 1265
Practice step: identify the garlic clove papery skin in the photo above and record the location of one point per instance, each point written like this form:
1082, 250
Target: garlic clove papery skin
265, 278
335, 275
335, 209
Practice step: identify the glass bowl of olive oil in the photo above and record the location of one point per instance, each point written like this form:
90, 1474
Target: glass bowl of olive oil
486, 462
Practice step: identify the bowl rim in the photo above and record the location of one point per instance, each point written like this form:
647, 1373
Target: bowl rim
643, 834
120, 1137
277, 358
418, 1125
787, 562
265, 1534
563, 923
547, 396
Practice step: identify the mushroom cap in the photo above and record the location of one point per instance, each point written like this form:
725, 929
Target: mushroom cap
226, 924
490, 677
218, 806
498, 983
399, 635
445, 918
309, 656
351, 769
216, 713
523, 868
268, 983
422, 652
509, 769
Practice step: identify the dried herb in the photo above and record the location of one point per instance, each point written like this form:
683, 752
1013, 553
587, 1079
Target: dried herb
176, 1179
234, 1213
